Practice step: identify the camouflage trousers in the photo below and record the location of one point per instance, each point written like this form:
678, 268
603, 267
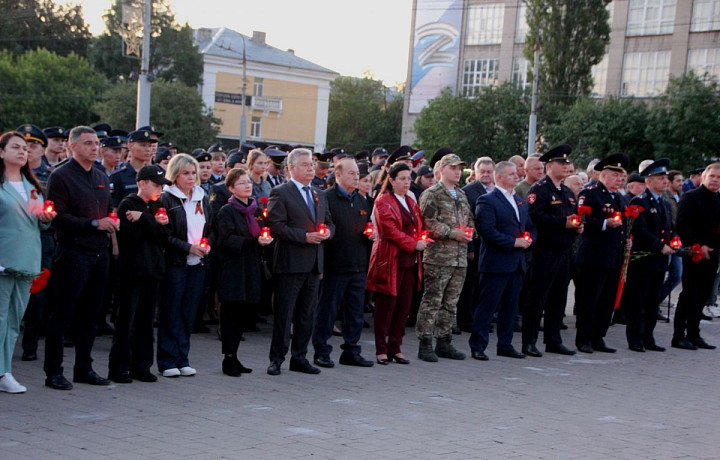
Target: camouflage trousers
438, 308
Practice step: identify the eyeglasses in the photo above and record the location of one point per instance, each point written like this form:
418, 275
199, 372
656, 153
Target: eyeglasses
242, 182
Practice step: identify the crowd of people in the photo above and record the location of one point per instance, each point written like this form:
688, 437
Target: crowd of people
97, 221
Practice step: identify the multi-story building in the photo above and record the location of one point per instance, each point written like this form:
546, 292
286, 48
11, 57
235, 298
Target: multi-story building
287, 97
466, 44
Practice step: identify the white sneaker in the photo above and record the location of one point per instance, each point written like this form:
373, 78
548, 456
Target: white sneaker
714, 311
707, 312
8, 384
172, 372
187, 371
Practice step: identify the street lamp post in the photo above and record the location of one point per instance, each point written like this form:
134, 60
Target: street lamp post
243, 117
143, 91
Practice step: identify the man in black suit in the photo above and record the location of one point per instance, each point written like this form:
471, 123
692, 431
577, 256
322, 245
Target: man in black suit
698, 221
483, 183
501, 218
651, 233
600, 255
300, 221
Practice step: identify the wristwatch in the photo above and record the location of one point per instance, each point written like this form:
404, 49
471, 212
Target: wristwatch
94, 223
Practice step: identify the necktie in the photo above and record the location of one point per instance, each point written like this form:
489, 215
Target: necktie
310, 203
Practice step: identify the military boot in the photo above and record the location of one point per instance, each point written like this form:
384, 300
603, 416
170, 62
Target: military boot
426, 352
444, 349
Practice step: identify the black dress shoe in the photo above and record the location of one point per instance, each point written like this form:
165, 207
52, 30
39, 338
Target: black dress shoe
701, 343
58, 382
243, 369
531, 350
602, 348
29, 356
143, 376
382, 361
398, 359
636, 347
585, 348
303, 366
120, 377
654, 347
560, 349
274, 368
89, 377
683, 344
229, 367
479, 355
705, 317
510, 353
323, 361
352, 359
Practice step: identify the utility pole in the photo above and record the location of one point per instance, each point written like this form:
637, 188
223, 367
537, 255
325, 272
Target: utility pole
243, 117
143, 92
532, 131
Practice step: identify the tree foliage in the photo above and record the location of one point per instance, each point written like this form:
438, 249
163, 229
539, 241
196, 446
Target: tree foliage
685, 123
175, 109
596, 128
494, 123
174, 55
43, 88
26, 25
363, 114
573, 37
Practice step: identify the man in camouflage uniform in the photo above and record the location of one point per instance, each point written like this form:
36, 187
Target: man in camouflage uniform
447, 216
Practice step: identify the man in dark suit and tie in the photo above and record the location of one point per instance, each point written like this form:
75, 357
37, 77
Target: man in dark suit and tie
502, 220
300, 221
600, 255
651, 233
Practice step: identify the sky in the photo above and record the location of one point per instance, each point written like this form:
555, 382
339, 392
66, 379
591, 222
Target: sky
347, 36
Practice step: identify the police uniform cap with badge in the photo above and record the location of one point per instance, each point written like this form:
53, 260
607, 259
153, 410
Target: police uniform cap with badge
380, 152
201, 155
113, 142
33, 134
102, 130
54, 132
121, 133
402, 153
141, 135
216, 147
152, 130
235, 157
162, 154
559, 154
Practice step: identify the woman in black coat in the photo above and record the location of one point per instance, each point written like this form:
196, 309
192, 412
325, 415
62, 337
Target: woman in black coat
239, 238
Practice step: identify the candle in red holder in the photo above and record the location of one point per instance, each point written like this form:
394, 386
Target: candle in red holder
49, 206
322, 229
265, 232
424, 235
264, 213
574, 219
161, 212
204, 242
114, 217
369, 229
617, 216
675, 243
526, 237
468, 231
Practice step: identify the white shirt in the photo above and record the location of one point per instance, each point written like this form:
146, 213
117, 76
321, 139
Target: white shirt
402, 201
509, 196
20, 188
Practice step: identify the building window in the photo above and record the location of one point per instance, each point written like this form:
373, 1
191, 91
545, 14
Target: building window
256, 127
485, 24
705, 62
521, 72
258, 86
479, 73
646, 74
651, 17
521, 25
706, 15
599, 74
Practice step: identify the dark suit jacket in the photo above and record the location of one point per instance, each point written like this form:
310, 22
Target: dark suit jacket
651, 231
698, 220
498, 226
290, 221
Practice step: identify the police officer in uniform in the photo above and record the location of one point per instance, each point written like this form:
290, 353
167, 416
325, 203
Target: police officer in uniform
57, 141
552, 208
322, 170
651, 232
123, 182
600, 255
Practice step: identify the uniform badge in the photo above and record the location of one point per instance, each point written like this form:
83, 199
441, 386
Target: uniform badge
213, 196
531, 198
581, 200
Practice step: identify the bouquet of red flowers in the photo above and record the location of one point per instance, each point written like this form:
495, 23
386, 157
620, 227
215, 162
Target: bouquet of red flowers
40, 282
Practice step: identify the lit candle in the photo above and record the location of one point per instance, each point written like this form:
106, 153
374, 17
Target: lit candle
574, 219
369, 229
161, 212
114, 217
675, 243
264, 213
265, 232
322, 229
468, 232
204, 242
424, 235
526, 237
617, 216
49, 206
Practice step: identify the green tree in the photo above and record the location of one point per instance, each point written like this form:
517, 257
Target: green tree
572, 37
26, 25
175, 109
596, 128
43, 88
493, 123
174, 55
363, 114
685, 123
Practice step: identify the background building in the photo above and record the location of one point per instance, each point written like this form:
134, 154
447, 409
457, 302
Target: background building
465, 44
286, 96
